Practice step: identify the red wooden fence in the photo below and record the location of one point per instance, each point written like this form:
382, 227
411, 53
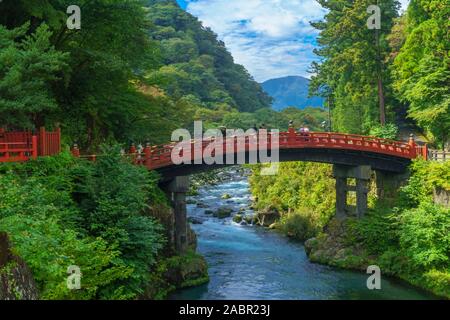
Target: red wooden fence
22, 146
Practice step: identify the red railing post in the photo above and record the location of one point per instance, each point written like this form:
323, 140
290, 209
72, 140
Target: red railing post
148, 155
34, 147
42, 142
291, 135
133, 152
75, 151
425, 152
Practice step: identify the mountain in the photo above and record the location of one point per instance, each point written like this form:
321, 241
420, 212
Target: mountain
196, 65
291, 91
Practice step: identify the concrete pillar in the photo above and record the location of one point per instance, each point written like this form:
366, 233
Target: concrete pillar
362, 175
176, 191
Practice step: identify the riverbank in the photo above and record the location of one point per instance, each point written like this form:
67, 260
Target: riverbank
115, 228
250, 262
406, 236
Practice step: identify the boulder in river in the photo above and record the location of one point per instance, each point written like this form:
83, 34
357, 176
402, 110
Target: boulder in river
209, 212
194, 220
226, 196
238, 218
223, 213
202, 205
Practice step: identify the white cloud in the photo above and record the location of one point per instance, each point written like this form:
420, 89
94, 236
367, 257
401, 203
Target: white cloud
404, 4
271, 38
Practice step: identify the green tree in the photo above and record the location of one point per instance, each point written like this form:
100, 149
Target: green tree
421, 68
29, 66
351, 60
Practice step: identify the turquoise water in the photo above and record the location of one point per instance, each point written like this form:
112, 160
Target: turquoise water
247, 262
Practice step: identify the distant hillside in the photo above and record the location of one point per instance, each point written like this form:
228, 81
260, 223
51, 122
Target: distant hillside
291, 92
196, 65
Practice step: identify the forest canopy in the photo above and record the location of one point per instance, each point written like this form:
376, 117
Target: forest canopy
136, 70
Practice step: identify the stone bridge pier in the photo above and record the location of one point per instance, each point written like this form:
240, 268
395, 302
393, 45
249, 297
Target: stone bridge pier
388, 184
362, 176
176, 190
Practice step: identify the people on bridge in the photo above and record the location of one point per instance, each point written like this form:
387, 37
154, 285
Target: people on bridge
304, 132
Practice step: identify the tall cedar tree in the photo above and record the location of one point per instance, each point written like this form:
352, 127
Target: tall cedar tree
349, 68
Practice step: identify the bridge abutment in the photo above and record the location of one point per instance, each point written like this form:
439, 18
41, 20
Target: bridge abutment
176, 191
362, 176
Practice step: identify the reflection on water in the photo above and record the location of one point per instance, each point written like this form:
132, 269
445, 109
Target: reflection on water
247, 262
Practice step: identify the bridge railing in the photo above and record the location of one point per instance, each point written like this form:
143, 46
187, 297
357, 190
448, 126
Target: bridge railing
155, 157
349, 142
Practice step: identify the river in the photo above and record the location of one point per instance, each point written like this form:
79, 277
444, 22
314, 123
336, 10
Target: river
247, 262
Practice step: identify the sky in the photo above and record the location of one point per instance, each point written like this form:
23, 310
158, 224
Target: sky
271, 38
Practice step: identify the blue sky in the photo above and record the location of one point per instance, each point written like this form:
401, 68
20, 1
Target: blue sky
271, 38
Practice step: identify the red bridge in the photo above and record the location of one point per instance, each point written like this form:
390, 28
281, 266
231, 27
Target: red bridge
335, 148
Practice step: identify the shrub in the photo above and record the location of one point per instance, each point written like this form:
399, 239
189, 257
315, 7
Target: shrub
425, 236
388, 131
61, 211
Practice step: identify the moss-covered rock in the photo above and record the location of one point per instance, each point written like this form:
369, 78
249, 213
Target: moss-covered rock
16, 279
188, 270
223, 213
238, 218
332, 248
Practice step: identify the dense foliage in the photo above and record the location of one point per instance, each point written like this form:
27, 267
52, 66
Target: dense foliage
405, 64
421, 68
302, 192
61, 212
136, 70
353, 63
412, 240
409, 239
